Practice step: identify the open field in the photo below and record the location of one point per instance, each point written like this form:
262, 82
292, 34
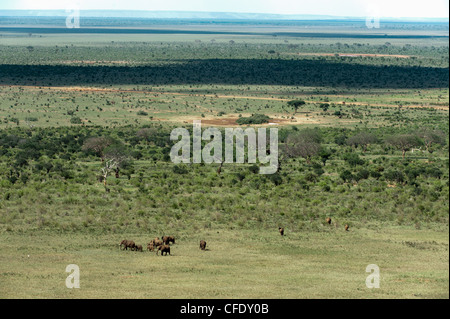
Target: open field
213, 104
374, 104
237, 264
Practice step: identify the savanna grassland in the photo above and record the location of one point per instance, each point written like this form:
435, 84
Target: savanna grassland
363, 137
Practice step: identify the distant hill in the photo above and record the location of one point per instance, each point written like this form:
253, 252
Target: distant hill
192, 15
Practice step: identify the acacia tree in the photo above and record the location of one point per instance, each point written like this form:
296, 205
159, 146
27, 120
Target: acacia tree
97, 145
305, 144
404, 142
295, 104
363, 139
325, 155
431, 137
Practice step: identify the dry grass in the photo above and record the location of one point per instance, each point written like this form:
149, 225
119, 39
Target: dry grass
236, 264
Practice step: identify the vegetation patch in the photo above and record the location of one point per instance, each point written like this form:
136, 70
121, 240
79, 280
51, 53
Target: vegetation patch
255, 119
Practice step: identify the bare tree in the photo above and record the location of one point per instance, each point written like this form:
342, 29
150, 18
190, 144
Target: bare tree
109, 167
115, 158
118, 155
304, 144
146, 134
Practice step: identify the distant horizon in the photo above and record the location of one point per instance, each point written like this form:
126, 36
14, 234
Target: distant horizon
394, 9
179, 14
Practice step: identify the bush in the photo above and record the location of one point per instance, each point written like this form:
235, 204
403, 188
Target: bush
76, 120
319, 171
353, 159
394, 176
311, 177
180, 169
241, 176
340, 139
346, 176
375, 174
362, 174
434, 172
254, 169
254, 119
275, 178
324, 106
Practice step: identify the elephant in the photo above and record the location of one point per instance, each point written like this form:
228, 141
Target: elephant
202, 245
163, 249
150, 246
131, 245
127, 244
168, 239
123, 243
138, 248
157, 242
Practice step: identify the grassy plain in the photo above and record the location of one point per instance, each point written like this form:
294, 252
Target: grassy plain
183, 104
237, 264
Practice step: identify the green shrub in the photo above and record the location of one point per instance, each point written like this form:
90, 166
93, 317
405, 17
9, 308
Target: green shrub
434, 172
180, 169
76, 120
311, 177
353, 159
254, 119
375, 174
394, 176
362, 174
275, 178
254, 169
346, 176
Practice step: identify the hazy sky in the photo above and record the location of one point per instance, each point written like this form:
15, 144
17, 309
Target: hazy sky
382, 8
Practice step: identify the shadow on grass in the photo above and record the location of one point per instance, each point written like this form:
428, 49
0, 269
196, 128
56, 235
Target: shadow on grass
310, 73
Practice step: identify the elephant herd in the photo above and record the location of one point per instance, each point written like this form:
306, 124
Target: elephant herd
163, 245
160, 245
